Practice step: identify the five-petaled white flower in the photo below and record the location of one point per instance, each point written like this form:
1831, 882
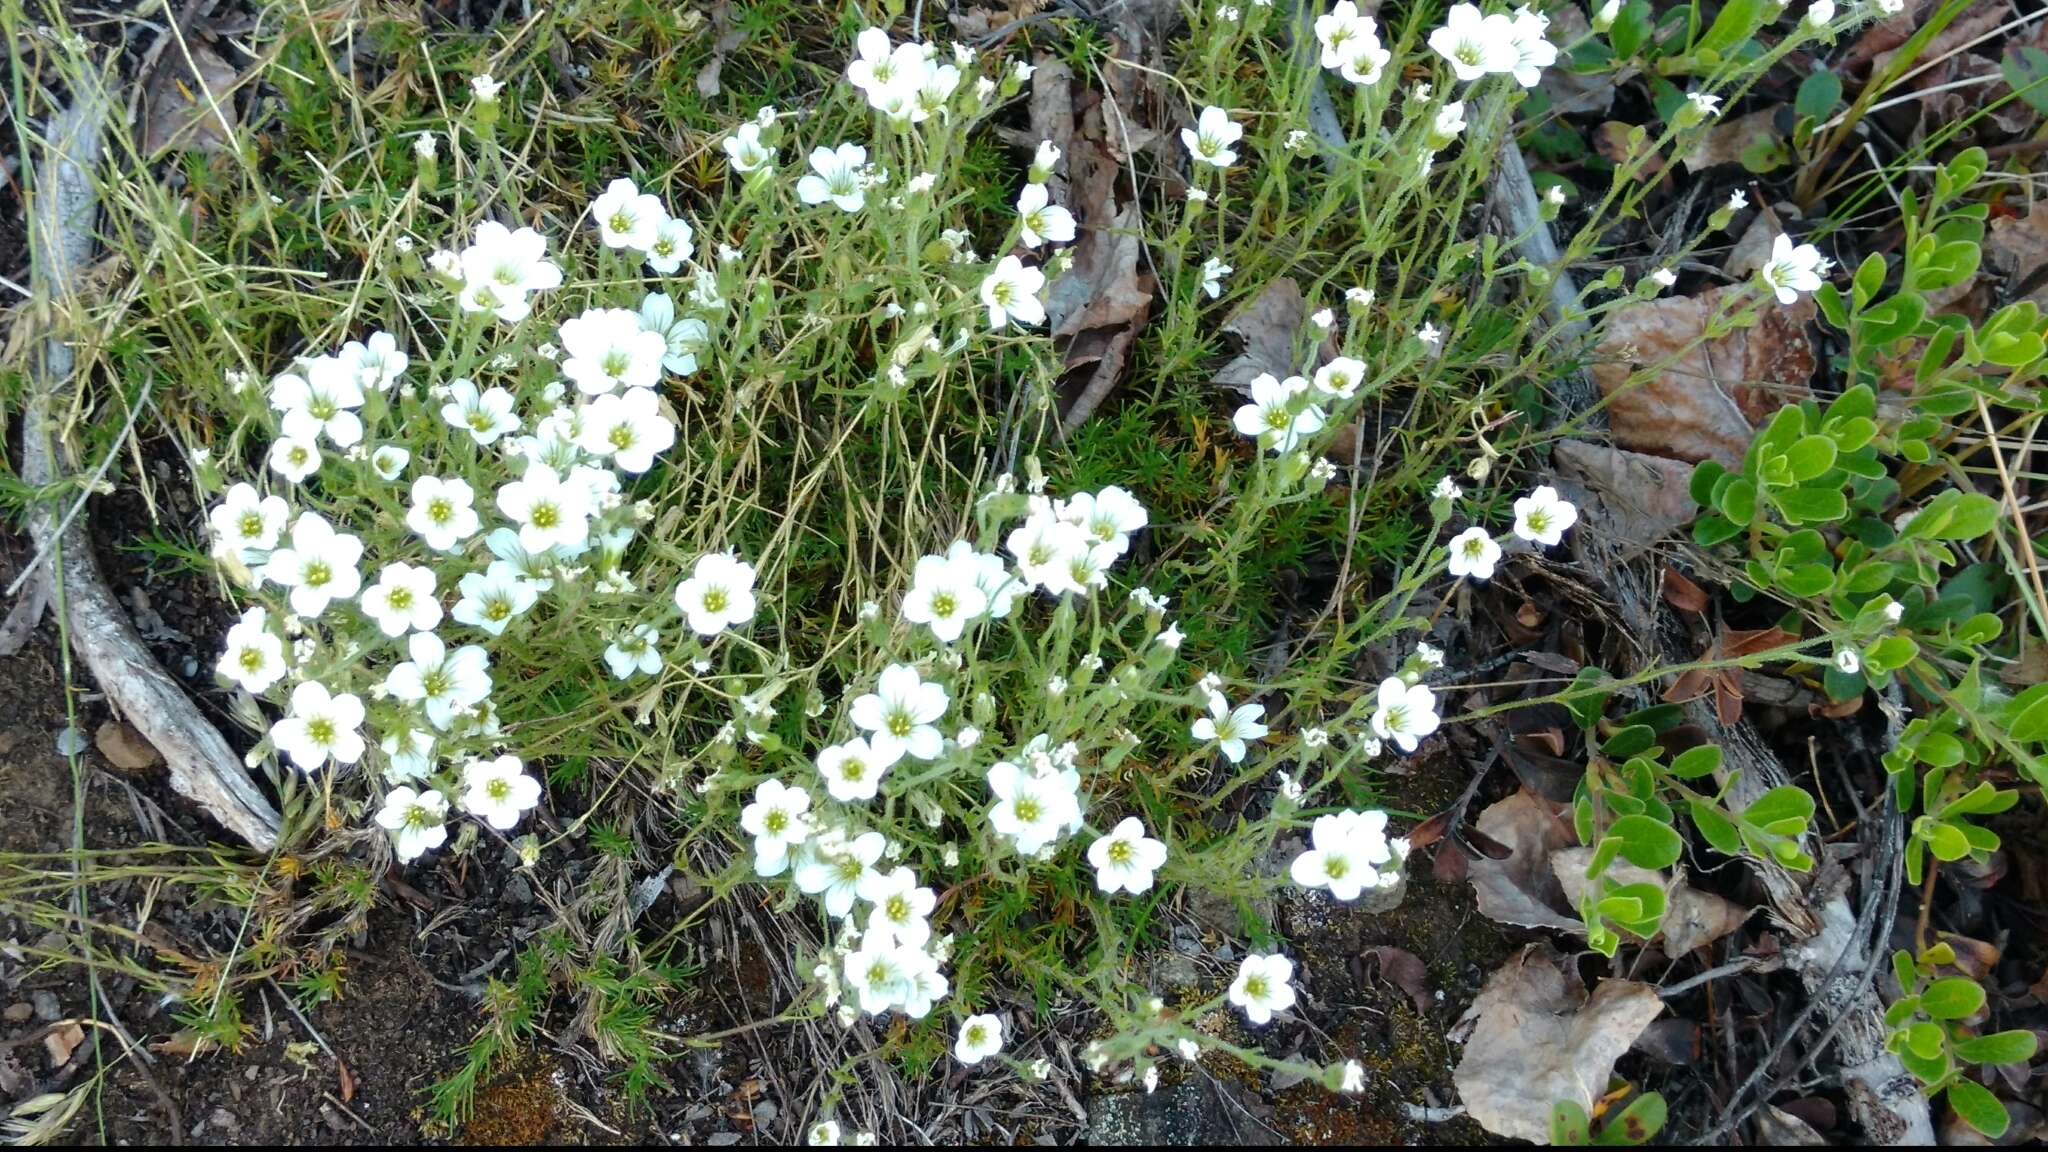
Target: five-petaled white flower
634, 651
417, 821
718, 594
836, 869
1033, 809
902, 909
254, 657
1278, 416
853, 770
980, 1038
442, 512
1042, 220
837, 175
778, 820
548, 511
1264, 985
499, 791
1346, 850
246, 525
946, 594
1010, 293
318, 564
485, 415
1211, 138
1405, 714
402, 600
1542, 516
1125, 860
1473, 554
493, 598
319, 727
902, 713
1231, 730
627, 217
628, 427
445, 684
1475, 44
1792, 270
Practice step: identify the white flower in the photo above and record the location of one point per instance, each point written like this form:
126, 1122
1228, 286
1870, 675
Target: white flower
980, 1038
609, 347
1542, 516
1273, 418
1042, 220
1703, 104
402, 600
1010, 293
1738, 200
547, 511
319, 565
485, 88
945, 593
294, 458
1032, 809
901, 712
1664, 277
254, 657
1264, 982
1125, 859
634, 651
444, 683
502, 268
321, 402
498, 791
718, 594
1473, 554
835, 175
1475, 44
1339, 379
1847, 661
1533, 53
627, 217
1230, 730
1446, 489
1406, 713
684, 338
674, 242
1170, 639
1429, 656
416, 821
491, 599
320, 727
1211, 138
1349, 40
1213, 272
853, 770
1108, 518
745, 151
823, 1134
389, 462
901, 909
1819, 14
486, 415
778, 820
1046, 548
1895, 611
408, 754
1345, 851
879, 974
376, 364
628, 427
1792, 270
246, 525
442, 512
1353, 1081
1448, 125
836, 869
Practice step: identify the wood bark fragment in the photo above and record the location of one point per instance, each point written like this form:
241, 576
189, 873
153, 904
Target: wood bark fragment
1883, 1098
203, 767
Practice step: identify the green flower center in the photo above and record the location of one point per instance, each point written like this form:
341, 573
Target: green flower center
252, 524
321, 730
943, 605
715, 600
316, 574
1120, 852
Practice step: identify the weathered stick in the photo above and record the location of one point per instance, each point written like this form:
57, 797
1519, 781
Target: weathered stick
63, 209
1832, 953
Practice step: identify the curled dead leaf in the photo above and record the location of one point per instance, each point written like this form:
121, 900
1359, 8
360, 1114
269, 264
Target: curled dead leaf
1537, 1038
1635, 498
1706, 398
1405, 970
190, 106
1522, 889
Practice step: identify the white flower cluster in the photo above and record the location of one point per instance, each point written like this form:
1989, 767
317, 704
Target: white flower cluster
1477, 45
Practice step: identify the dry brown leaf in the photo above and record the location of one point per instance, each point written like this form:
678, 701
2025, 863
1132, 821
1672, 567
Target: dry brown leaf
2017, 249
192, 113
1710, 396
1728, 140
1752, 250
1405, 970
1611, 140
124, 747
1522, 889
1636, 498
1692, 918
1537, 1038
61, 1041
1266, 326
980, 22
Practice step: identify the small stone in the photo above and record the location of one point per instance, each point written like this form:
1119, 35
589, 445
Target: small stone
1173, 972
48, 1008
124, 747
18, 1012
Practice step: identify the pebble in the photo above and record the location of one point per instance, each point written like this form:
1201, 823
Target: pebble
19, 1012
48, 1007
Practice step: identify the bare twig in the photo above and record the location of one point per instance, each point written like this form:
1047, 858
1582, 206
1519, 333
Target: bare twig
63, 207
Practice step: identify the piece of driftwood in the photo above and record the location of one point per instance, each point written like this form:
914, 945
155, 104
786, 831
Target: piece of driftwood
1837, 953
63, 210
